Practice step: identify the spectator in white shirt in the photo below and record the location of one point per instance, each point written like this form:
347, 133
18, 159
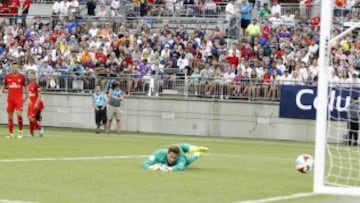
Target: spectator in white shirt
313, 48
170, 6
102, 12
36, 49
228, 79
234, 50
64, 8
275, 19
57, 6
314, 68
16, 52
115, 7
276, 8
210, 8
31, 66
285, 79
288, 17
182, 62
280, 65
296, 79
74, 7
229, 10
304, 71
93, 31
165, 53
260, 71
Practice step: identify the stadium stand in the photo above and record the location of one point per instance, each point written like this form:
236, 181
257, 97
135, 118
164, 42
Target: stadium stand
184, 48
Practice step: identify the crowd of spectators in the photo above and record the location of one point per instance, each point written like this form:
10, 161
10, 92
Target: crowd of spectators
71, 53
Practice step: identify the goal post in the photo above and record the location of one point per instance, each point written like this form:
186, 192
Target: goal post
322, 94
334, 172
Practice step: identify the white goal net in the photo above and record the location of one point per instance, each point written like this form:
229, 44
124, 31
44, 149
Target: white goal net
342, 153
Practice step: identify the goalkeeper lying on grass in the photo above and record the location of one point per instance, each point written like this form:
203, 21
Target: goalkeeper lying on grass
174, 158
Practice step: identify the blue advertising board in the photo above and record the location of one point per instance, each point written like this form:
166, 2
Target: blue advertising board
301, 101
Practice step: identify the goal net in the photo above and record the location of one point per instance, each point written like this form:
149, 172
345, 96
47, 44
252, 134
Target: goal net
342, 154
337, 160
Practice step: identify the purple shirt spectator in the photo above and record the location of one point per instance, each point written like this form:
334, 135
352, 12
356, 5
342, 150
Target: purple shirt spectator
144, 67
283, 34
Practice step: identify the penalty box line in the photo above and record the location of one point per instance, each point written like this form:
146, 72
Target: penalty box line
14, 201
72, 158
129, 157
280, 198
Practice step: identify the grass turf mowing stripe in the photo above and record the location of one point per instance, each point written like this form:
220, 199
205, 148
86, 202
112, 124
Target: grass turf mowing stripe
204, 139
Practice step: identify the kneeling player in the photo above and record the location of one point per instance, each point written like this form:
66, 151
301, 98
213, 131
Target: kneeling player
35, 105
174, 158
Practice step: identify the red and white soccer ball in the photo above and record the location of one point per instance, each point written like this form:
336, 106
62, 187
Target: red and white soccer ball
304, 163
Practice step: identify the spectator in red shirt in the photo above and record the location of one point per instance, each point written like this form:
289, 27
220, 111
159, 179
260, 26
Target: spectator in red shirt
266, 81
100, 56
14, 6
315, 21
25, 11
4, 10
266, 30
233, 59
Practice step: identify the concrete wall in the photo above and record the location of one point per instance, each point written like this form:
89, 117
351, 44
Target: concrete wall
177, 116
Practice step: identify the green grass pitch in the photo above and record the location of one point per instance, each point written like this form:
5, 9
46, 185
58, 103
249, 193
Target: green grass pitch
234, 170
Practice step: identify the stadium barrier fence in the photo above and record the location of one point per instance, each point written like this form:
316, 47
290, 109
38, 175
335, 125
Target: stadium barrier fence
177, 84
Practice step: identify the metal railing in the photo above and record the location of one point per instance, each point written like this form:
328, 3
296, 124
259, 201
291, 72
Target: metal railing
300, 10
175, 85
206, 10
167, 85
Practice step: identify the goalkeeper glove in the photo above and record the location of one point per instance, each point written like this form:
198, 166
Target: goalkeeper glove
155, 167
165, 168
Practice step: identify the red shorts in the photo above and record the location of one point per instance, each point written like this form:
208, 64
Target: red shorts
14, 104
32, 111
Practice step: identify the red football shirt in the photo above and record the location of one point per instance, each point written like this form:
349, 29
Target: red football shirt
33, 90
26, 5
266, 30
15, 84
101, 56
4, 10
233, 60
14, 6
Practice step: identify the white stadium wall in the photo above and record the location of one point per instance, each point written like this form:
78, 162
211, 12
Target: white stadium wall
177, 116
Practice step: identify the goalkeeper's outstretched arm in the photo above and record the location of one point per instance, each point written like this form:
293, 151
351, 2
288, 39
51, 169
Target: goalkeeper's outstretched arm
150, 161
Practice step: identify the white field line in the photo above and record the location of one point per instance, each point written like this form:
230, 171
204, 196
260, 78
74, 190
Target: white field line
130, 157
73, 158
251, 157
279, 198
14, 201
203, 139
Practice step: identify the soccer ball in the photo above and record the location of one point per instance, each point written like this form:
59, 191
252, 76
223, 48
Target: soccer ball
304, 163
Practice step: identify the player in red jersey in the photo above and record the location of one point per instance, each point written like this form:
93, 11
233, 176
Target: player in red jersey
15, 82
35, 105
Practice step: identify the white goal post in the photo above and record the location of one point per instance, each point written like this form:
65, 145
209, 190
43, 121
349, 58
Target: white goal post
320, 184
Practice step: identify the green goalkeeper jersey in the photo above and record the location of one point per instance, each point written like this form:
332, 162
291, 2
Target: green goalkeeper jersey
160, 157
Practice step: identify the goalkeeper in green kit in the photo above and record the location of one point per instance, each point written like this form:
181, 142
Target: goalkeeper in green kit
175, 158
